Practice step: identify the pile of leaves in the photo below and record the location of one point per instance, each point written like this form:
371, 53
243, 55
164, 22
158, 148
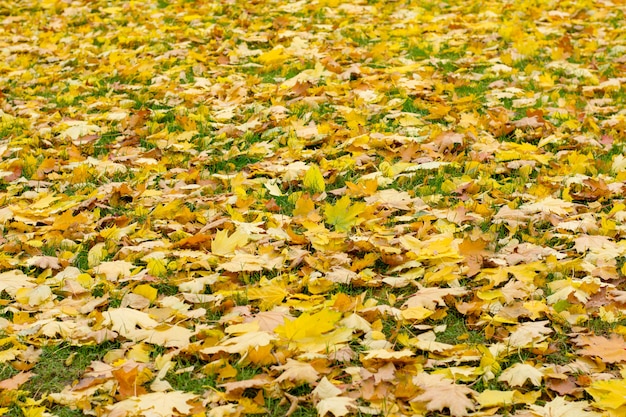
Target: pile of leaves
322, 207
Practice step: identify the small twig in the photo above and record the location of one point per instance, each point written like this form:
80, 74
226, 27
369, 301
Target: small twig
294, 404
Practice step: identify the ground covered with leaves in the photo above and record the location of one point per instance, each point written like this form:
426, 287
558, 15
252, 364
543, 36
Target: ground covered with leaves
312, 208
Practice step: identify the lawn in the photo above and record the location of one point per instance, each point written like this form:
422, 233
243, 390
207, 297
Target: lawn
312, 208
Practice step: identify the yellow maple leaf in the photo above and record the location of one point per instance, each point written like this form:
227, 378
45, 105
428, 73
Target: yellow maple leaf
67, 220
305, 209
312, 332
241, 344
308, 325
354, 119
146, 291
276, 56
494, 398
609, 395
156, 267
418, 313
224, 245
167, 211
313, 179
343, 215
270, 295
33, 411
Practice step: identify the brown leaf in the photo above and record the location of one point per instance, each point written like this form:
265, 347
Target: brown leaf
16, 380
564, 386
440, 393
611, 350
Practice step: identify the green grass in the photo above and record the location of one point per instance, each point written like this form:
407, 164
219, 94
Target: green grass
190, 381
101, 147
602, 327
232, 165
456, 328
58, 366
279, 407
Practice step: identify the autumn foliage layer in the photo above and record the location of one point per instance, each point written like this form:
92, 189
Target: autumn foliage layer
308, 208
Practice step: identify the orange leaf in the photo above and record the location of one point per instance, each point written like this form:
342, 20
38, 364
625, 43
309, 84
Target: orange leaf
16, 380
127, 383
612, 350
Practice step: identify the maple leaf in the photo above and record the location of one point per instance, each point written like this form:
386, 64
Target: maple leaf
247, 262
559, 407
431, 297
525, 334
269, 320
427, 342
16, 380
276, 56
113, 270
44, 262
67, 220
314, 332
549, 205
237, 388
446, 141
270, 295
337, 406
228, 410
611, 350
343, 215
14, 280
125, 320
223, 244
440, 393
35, 296
307, 325
78, 128
392, 199
127, 382
518, 374
241, 344
433, 249
609, 395
148, 196
474, 253
416, 313
296, 372
305, 209
493, 398
564, 386
313, 180
156, 404
325, 389
387, 355
164, 335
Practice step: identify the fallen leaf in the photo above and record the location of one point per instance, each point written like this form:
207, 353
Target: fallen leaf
337, 406
16, 380
441, 393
